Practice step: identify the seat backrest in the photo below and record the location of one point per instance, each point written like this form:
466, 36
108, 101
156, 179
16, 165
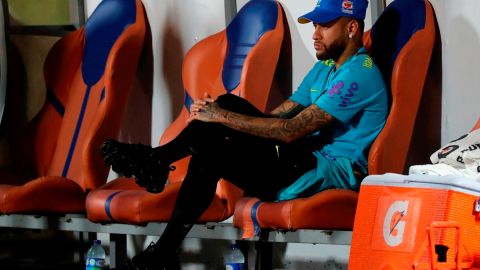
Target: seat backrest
89, 74
240, 60
400, 43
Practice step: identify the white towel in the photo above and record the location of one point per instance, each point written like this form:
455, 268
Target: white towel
441, 169
459, 157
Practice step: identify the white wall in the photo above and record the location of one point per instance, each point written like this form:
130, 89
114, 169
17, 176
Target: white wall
90, 6
460, 30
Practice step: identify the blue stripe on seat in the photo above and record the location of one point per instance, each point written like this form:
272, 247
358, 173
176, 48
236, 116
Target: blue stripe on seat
253, 214
108, 203
188, 101
55, 102
77, 131
105, 25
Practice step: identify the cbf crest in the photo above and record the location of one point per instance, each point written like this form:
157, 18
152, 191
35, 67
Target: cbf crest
347, 6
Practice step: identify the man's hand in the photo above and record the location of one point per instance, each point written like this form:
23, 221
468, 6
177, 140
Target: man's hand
206, 110
297, 122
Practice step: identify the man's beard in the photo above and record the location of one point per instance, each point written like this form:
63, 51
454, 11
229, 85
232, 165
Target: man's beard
334, 51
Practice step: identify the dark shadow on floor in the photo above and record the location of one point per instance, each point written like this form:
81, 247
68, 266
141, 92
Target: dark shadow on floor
35, 249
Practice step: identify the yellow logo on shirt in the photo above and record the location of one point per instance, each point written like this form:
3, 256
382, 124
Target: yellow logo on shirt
328, 62
368, 63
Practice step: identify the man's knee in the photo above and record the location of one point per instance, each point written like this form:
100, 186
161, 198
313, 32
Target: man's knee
238, 104
229, 101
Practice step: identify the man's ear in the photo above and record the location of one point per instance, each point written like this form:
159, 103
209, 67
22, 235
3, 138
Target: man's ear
352, 28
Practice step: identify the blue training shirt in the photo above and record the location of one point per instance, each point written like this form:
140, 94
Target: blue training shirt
356, 96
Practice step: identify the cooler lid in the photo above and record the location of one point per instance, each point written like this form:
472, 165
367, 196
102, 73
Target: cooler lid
424, 181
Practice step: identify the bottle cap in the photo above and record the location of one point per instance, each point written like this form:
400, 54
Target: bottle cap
97, 242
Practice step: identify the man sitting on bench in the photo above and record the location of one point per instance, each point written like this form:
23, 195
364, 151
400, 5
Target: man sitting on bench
317, 139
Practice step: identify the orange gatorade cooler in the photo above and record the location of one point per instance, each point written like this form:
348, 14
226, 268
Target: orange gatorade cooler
416, 222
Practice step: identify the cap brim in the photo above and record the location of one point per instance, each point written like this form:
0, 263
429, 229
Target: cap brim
318, 16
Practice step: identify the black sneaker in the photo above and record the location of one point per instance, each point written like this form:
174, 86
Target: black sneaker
137, 160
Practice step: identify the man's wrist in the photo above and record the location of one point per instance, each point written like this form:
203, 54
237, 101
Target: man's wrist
222, 116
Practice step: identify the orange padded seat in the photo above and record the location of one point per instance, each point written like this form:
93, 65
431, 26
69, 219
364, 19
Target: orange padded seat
89, 74
242, 60
400, 43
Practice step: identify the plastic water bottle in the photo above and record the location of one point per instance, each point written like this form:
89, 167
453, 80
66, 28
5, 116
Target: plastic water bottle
96, 256
234, 259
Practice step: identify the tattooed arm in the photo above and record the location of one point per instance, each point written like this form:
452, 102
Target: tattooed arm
307, 121
287, 109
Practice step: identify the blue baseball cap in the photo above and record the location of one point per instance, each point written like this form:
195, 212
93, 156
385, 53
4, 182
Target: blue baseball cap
328, 10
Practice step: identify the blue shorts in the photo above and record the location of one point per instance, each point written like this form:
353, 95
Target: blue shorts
330, 173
